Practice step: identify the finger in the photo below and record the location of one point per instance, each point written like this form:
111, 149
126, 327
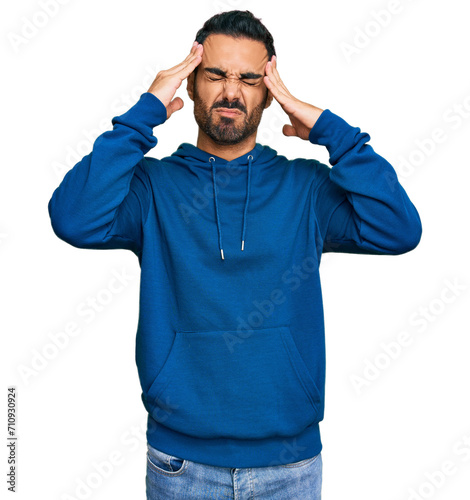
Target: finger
185, 71
274, 75
193, 49
195, 53
193, 60
272, 87
289, 130
175, 105
196, 49
278, 92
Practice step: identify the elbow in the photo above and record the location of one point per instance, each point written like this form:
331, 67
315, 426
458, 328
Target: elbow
410, 236
64, 232
63, 228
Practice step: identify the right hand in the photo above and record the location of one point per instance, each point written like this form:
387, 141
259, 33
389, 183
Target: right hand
168, 81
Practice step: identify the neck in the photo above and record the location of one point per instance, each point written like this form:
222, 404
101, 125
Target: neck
226, 151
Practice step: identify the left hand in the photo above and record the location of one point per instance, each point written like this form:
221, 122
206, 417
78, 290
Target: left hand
302, 115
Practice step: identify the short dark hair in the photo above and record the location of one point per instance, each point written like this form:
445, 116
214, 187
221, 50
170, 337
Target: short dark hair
239, 24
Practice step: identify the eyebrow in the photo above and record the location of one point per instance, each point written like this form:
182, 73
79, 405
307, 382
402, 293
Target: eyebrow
245, 76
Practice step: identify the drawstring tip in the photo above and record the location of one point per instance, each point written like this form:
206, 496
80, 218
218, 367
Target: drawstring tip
243, 244
222, 253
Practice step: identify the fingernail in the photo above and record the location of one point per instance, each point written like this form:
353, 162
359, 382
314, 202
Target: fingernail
194, 43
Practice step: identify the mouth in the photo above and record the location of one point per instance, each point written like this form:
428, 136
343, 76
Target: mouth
228, 112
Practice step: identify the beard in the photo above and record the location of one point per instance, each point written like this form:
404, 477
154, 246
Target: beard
223, 130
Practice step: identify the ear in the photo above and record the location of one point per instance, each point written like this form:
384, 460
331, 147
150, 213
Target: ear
190, 86
269, 100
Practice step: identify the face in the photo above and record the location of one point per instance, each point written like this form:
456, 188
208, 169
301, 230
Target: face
229, 93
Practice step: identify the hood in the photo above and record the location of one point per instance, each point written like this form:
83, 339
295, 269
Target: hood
258, 156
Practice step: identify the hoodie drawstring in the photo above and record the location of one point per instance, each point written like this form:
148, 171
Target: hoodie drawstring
250, 158
219, 229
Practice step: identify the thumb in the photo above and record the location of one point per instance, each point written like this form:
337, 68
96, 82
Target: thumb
175, 105
289, 130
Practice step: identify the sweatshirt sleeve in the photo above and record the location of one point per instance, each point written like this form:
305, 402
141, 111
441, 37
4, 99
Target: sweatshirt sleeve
359, 203
102, 202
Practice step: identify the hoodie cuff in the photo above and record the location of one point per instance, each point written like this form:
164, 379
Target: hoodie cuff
148, 111
155, 107
336, 134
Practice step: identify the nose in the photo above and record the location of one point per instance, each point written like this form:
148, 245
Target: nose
231, 89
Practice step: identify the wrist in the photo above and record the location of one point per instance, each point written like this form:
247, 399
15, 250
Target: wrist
316, 113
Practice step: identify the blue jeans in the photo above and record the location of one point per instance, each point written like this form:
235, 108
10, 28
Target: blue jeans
172, 478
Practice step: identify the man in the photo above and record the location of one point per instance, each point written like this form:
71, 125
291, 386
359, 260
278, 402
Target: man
229, 235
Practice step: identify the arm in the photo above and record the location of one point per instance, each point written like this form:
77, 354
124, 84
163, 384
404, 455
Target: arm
360, 205
103, 201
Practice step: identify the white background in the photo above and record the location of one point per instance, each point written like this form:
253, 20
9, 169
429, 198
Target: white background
90, 61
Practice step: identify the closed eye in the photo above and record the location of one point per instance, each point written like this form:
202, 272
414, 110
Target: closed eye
220, 79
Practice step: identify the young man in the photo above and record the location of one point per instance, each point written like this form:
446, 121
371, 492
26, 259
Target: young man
229, 235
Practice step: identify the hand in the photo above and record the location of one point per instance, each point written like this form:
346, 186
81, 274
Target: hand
168, 81
302, 115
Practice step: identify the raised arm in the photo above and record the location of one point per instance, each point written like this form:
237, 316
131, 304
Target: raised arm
102, 202
359, 204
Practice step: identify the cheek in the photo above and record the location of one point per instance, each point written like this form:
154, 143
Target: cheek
205, 90
211, 93
258, 98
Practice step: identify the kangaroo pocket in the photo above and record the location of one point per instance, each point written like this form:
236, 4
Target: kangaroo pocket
227, 384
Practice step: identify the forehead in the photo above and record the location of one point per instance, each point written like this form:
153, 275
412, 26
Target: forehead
234, 54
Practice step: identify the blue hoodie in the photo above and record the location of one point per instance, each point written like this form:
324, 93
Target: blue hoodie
230, 345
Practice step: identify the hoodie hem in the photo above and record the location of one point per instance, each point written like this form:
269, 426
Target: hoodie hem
239, 453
